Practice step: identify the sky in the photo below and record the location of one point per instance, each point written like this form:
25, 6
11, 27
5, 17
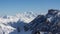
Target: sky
11, 7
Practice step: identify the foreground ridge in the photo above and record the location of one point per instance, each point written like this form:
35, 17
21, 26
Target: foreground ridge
49, 23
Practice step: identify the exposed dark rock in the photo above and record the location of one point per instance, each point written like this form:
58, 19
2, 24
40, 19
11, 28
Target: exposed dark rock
42, 22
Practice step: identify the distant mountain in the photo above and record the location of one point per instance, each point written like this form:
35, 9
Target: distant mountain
12, 24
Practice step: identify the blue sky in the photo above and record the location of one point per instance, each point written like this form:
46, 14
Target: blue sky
11, 7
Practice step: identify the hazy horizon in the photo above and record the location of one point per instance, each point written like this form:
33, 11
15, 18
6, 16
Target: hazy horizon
11, 7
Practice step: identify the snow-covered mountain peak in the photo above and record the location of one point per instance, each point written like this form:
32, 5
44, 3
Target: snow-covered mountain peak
26, 17
8, 23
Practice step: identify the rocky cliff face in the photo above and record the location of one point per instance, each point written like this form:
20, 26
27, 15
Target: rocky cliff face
49, 22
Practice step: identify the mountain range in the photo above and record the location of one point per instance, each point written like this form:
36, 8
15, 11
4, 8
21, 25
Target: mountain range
9, 24
31, 21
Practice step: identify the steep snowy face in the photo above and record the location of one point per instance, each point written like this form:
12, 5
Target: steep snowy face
7, 23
